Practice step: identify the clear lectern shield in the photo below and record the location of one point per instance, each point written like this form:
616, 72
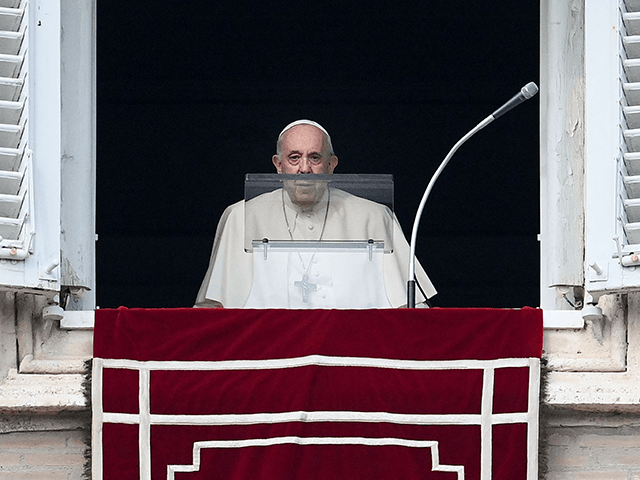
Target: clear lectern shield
349, 209
318, 241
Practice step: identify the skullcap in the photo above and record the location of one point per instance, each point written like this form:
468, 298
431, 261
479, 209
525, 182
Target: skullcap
306, 122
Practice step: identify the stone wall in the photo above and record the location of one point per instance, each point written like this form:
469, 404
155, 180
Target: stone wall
44, 416
43, 447
591, 421
590, 446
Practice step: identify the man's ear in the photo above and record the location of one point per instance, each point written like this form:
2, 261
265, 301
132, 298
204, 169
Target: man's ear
277, 163
333, 163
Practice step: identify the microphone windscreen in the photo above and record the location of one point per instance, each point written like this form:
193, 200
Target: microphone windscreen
529, 90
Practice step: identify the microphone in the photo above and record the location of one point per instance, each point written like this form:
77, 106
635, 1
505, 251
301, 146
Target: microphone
526, 92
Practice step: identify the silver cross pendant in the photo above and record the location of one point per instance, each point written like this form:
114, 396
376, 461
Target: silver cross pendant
306, 286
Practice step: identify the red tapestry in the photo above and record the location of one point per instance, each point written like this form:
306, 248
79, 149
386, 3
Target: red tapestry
188, 394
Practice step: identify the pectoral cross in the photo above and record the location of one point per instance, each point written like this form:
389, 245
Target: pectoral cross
306, 286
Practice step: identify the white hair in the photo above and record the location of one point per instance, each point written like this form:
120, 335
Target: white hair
303, 122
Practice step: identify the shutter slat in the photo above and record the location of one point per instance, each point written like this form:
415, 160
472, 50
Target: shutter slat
632, 93
10, 135
10, 65
10, 159
632, 209
632, 22
10, 182
632, 185
631, 137
632, 46
10, 42
10, 19
632, 67
632, 5
10, 227
10, 88
11, 112
10, 205
632, 162
632, 116
632, 230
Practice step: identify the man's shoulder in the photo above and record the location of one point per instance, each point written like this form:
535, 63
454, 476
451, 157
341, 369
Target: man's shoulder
235, 206
233, 209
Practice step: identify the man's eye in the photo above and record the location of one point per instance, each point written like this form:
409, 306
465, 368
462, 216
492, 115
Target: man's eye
294, 160
316, 159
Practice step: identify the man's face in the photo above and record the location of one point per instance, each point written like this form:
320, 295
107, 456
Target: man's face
304, 151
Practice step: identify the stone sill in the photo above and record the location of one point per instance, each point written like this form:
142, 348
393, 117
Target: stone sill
41, 393
78, 320
563, 319
594, 392
52, 367
554, 319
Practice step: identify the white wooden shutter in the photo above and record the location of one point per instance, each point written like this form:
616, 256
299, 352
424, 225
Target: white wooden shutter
47, 114
30, 145
630, 168
14, 163
612, 150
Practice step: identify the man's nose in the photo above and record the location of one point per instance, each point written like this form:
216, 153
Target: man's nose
305, 166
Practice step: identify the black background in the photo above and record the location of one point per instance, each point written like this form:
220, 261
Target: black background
192, 95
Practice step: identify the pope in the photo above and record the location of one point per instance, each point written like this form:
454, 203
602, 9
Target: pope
308, 210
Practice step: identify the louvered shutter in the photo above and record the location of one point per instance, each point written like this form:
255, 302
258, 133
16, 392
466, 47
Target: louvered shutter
14, 168
30, 145
631, 107
47, 148
612, 146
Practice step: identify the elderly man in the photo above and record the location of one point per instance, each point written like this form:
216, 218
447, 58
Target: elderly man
307, 211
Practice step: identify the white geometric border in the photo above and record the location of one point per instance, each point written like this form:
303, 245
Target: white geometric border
266, 442
486, 419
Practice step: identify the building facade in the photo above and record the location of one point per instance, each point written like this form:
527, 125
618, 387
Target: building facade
590, 280
47, 235
589, 286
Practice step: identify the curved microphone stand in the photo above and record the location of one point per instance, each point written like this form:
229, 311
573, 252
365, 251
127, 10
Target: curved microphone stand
528, 91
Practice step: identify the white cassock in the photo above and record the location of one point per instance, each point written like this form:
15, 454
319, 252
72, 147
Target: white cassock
309, 278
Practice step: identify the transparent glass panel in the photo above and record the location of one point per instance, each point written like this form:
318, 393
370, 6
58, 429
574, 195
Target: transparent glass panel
326, 211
